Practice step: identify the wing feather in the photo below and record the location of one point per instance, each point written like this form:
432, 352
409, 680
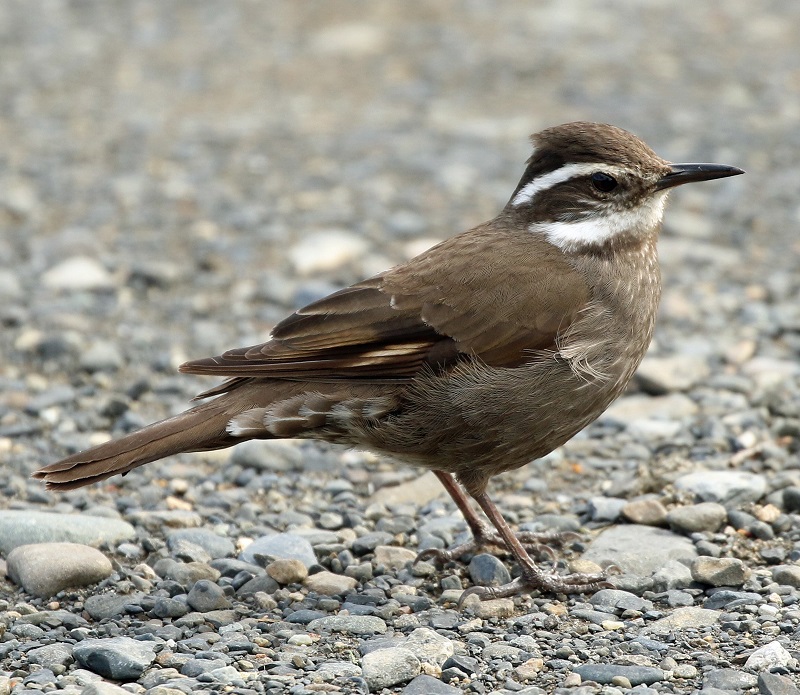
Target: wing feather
460, 299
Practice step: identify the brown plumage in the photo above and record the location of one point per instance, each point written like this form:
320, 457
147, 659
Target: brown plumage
487, 351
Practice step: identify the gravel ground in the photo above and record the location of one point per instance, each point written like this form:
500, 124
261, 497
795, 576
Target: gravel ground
177, 176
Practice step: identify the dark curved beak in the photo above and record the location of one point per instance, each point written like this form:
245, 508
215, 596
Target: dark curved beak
687, 173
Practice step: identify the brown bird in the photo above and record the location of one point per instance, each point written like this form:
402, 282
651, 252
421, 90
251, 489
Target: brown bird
483, 353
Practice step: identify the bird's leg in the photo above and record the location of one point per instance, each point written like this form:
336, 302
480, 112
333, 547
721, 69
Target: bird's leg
482, 533
532, 577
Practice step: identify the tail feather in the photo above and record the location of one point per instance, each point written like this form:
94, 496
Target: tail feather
200, 429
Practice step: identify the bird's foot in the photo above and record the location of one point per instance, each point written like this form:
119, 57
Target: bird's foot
538, 543
534, 579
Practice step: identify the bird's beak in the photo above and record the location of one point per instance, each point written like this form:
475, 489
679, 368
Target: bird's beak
686, 173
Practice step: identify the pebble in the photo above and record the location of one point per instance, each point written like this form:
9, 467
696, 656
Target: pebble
720, 571
330, 584
605, 508
384, 668
280, 546
287, 571
428, 685
104, 688
770, 656
55, 657
117, 658
487, 570
639, 550
109, 605
429, 646
787, 574
393, 557
185, 573
101, 356
277, 455
349, 624
661, 375
47, 568
686, 617
326, 250
606, 673
648, 512
728, 488
694, 518
26, 527
215, 545
206, 596
729, 679
421, 490
78, 273
775, 684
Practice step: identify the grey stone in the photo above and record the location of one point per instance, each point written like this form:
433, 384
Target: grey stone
47, 568
614, 600
215, 545
487, 570
268, 456
639, 550
103, 688
605, 508
285, 546
78, 273
51, 655
259, 584
729, 679
788, 575
648, 512
392, 557
770, 656
166, 607
429, 646
730, 488
185, 573
206, 596
605, 673
775, 684
339, 669
109, 605
195, 667
660, 375
706, 516
728, 599
287, 571
369, 541
28, 527
349, 624
673, 575
384, 668
101, 356
689, 617
428, 685
118, 658
330, 584
720, 571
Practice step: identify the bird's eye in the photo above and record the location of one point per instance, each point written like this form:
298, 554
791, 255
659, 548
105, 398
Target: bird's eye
603, 182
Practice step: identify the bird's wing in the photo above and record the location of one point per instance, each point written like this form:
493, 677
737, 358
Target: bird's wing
460, 298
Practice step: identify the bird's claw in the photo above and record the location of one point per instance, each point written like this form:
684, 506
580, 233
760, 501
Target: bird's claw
533, 579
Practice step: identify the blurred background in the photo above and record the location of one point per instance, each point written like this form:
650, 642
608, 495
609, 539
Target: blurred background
177, 176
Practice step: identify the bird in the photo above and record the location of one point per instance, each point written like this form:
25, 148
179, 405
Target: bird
485, 352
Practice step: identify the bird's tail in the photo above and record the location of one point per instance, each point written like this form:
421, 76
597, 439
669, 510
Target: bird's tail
200, 429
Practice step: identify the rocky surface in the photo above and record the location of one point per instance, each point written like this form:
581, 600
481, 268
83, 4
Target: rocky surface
177, 177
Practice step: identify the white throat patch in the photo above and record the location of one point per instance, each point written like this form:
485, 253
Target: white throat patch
569, 236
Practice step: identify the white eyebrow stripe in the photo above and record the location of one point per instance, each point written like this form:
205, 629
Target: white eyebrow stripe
564, 173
